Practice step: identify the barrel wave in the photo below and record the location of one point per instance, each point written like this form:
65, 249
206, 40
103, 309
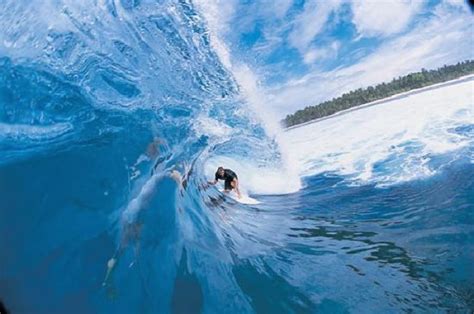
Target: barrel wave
115, 114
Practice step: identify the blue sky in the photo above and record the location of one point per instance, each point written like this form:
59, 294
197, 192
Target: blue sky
295, 53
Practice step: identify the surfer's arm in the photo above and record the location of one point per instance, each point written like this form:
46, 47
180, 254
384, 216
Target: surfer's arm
215, 180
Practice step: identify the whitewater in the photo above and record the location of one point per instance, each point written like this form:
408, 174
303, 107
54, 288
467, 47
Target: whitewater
115, 115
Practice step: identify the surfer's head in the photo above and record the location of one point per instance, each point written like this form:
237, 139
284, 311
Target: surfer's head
220, 171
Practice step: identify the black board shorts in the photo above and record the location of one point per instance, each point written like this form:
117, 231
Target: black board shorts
227, 185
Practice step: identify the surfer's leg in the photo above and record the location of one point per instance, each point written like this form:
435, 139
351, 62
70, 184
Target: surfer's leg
227, 186
235, 185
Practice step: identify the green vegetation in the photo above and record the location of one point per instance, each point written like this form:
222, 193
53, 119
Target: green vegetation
369, 94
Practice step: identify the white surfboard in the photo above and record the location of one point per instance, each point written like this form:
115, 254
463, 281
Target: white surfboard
244, 199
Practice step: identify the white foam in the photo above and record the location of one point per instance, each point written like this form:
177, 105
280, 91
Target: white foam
403, 133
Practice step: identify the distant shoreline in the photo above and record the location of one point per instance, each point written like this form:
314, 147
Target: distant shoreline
388, 99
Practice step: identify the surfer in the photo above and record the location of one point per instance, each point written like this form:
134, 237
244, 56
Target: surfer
231, 182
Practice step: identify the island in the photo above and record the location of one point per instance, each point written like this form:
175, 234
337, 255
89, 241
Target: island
370, 94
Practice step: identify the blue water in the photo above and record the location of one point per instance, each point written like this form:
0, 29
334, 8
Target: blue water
100, 103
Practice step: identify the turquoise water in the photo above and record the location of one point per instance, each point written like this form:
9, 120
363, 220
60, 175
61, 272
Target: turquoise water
99, 103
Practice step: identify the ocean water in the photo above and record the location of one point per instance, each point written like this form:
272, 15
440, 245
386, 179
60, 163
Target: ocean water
113, 116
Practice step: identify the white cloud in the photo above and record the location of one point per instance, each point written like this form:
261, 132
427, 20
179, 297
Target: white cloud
314, 54
310, 23
383, 18
279, 8
445, 39
272, 15
458, 3
329, 51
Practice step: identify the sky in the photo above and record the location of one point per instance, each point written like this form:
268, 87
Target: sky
288, 54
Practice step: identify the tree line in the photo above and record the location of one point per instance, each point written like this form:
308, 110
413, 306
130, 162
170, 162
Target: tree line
397, 85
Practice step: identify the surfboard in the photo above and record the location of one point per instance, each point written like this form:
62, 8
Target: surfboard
245, 199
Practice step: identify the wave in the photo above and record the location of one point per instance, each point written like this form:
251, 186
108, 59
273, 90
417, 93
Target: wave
113, 117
